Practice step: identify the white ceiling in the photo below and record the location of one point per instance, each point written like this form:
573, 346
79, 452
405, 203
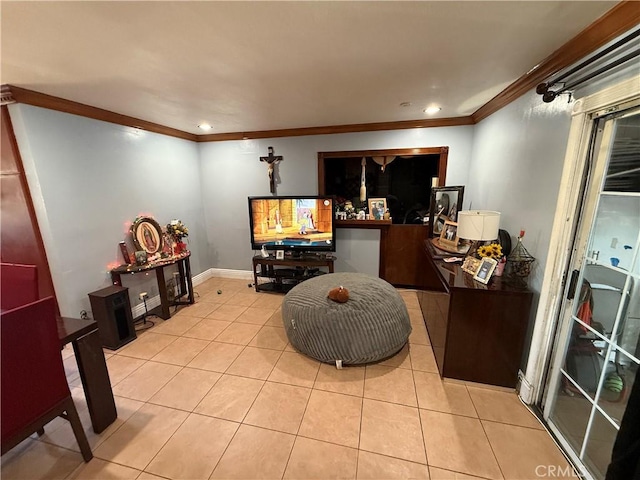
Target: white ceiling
246, 66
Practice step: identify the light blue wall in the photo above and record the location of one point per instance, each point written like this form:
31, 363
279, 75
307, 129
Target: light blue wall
231, 172
89, 180
518, 155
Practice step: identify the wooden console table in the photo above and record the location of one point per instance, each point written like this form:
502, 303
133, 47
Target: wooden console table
186, 287
477, 331
286, 278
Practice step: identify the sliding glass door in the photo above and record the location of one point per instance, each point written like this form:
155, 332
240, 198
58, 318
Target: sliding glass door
597, 351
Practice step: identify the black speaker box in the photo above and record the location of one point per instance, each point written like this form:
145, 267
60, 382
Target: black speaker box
112, 311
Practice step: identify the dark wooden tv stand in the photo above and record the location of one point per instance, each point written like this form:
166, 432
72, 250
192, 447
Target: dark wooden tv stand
283, 279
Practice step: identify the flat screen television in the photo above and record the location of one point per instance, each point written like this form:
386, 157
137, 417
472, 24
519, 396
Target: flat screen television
298, 224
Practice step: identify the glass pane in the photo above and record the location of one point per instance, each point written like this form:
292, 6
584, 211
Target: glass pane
604, 291
619, 378
623, 174
615, 230
583, 360
571, 413
597, 455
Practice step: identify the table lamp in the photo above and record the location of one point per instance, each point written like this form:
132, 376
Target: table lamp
478, 226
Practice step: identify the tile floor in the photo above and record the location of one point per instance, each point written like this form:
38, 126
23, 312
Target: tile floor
217, 392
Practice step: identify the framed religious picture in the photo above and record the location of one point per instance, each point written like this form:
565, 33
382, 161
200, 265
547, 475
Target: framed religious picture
279, 254
147, 235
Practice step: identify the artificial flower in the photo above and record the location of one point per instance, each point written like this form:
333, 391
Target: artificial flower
177, 229
493, 250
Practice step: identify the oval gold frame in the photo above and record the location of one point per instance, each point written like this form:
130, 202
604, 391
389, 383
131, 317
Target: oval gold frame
147, 235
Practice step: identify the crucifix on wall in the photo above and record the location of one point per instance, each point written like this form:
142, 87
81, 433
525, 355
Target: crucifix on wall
272, 160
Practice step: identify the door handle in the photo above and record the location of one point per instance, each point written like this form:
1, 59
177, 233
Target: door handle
571, 292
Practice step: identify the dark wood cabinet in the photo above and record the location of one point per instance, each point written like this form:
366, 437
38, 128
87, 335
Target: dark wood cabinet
401, 252
477, 331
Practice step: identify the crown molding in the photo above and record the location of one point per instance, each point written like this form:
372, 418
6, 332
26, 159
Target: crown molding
612, 24
333, 129
37, 99
6, 97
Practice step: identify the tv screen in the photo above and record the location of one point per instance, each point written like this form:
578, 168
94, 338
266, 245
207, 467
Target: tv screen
303, 223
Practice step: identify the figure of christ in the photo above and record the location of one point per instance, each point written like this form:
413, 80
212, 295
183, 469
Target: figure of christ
272, 160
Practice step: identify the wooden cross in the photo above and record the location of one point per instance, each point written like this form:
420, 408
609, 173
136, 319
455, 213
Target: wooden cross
272, 161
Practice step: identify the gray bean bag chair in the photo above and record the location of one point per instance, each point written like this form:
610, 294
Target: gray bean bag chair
372, 325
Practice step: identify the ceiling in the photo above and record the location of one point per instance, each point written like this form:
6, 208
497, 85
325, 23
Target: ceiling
247, 66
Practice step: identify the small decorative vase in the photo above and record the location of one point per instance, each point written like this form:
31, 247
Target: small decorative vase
499, 268
181, 247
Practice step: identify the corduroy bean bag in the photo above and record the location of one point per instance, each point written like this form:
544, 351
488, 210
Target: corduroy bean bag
372, 325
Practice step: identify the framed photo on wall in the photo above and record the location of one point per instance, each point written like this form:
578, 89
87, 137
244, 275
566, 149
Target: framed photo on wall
377, 207
444, 206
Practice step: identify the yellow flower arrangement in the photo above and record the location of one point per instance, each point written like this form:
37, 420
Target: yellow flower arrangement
493, 250
177, 229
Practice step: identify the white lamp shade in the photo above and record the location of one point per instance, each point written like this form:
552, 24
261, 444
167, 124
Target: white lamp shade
478, 224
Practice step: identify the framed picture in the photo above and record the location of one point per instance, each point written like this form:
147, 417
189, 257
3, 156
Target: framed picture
444, 206
279, 254
449, 234
141, 257
147, 235
485, 270
471, 265
377, 207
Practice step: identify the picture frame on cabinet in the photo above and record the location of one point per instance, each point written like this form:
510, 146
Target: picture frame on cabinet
449, 234
471, 265
485, 270
377, 207
444, 206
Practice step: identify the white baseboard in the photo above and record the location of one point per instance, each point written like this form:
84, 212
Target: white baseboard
202, 277
153, 302
228, 273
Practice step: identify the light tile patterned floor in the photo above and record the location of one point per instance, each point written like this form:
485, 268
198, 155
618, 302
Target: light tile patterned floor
217, 392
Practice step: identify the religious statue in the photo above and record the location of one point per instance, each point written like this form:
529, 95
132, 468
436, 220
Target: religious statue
272, 161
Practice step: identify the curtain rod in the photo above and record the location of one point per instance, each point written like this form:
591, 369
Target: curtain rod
549, 95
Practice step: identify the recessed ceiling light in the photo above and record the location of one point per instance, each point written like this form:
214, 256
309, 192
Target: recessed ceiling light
432, 110
405, 104
205, 126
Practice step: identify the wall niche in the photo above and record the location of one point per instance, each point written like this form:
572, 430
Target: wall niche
402, 176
